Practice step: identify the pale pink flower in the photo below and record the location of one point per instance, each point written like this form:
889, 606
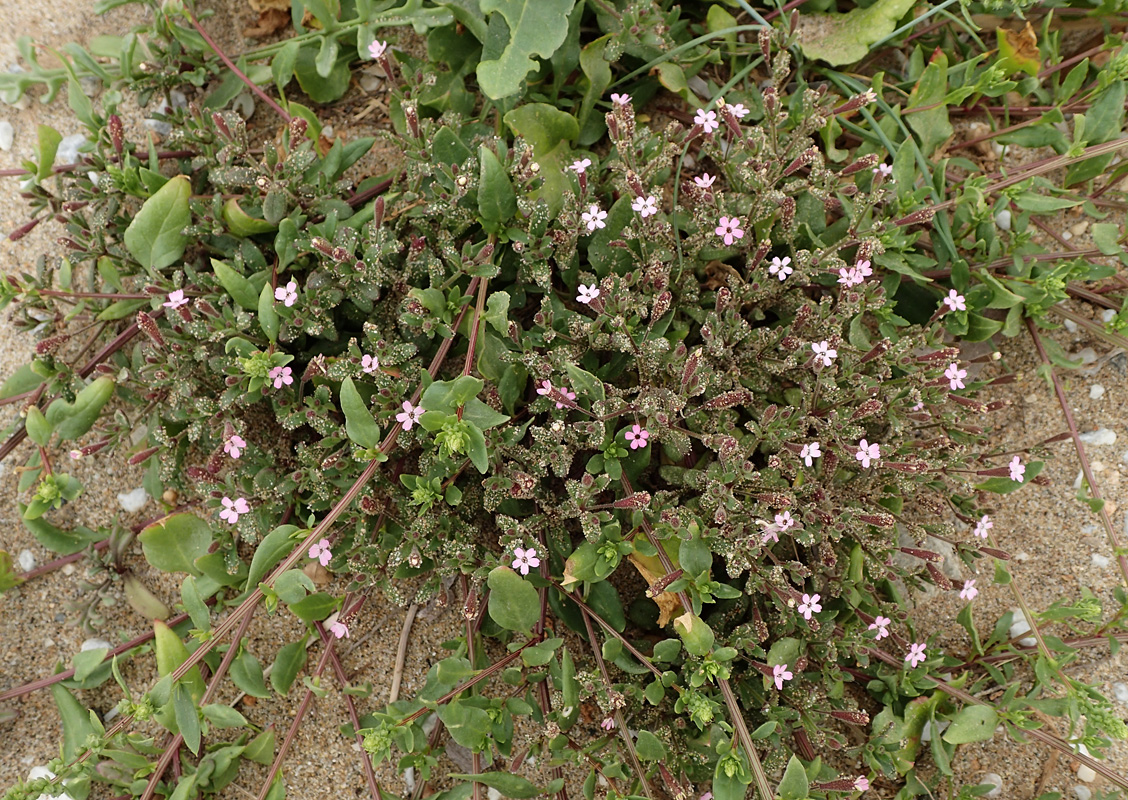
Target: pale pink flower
810, 605
377, 49
867, 452
707, 120
339, 629
864, 268
607, 724
968, 592
955, 301
288, 294
781, 267
809, 453
580, 165
281, 376
234, 446
637, 436
233, 508
565, 393
369, 364
620, 99
916, 654
785, 522
738, 110
849, 277
587, 293
175, 299
881, 625
824, 352
985, 524
1017, 469
321, 552
645, 206
868, 96
729, 229
410, 414
955, 376
523, 559
545, 388
771, 531
705, 181
861, 783
594, 217
706, 796
886, 170
76, 454
781, 673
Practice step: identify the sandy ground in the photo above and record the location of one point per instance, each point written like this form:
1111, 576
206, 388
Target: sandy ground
1058, 544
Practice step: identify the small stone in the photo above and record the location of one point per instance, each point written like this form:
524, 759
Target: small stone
1082, 792
1019, 626
1079, 228
1003, 220
69, 147
68, 569
996, 781
26, 560
1066, 235
133, 501
370, 81
48, 642
1087, 355
7, 135
60, 618
1120, 692
1101, 436
1100, 561
1086, 774
1108, 315
1096, 391
94, 644
1022, 556
1071, 326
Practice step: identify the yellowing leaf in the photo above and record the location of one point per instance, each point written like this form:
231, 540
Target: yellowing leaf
845, 38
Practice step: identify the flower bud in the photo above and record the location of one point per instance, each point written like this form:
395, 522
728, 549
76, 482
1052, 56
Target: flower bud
149, 327
143, 456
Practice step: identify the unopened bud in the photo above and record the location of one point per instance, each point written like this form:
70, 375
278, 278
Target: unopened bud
149, 327
729, 399
636, 500
143, 456
117, 133
927, 555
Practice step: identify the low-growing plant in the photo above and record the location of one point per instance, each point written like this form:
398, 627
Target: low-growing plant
671, 413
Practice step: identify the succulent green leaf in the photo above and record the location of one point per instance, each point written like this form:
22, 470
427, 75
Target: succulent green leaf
72, 420
513, 601
535, 29
174, 543
794, 785
845, 38
156, 236
972, 724
497, 202
359, 423
287, 664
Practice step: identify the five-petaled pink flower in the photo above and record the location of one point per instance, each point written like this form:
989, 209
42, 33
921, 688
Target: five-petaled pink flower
824, 352
781, 267
781, 673
785, 522
376, 49
881, 625
580, 165
176, 299
587, 293
620, 99
545, 388
968, 592
863, 268
849, 277
886, 170
321, 552
916, 654
281, 376
705, 181
955, 376
861, 783
234, 445
809, 453
707, 120
288, 294
985, 524
565, 393
369, 364
339, 629
867, 452
523, 559
771, 531
645, 206
637, 436
607, 724
810, 605
410, 414
728, 228
738, 110
1017, 469
233, 508
594, 217
955, 301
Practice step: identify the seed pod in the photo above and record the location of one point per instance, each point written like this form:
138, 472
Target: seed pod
939, 577
117, 133
637, 500
149, 327
729, 399
139, 458
926, 555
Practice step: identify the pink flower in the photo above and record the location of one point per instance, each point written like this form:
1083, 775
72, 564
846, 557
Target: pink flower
862, 783
955, 301
985, 524
579, 166
738, 110
175, 299
849, 277
607, 724
729, 228
637, 436
594, 217
1017, 469
375, 50
864, 269
867, 452
705, 181
234, 446
706, 796
810, 605
968, 592
545, 388
916, 654
955, 376
781, 267
620, 99
587, 293
809, 453
707, 120
645, 206
288, 294
881, 625
785, 522
369, 364
565, 393
824, 352
780, 673
339, 629
886, 170
233, 508
321, 552
523, 559
410, 414
771, 531
281, 376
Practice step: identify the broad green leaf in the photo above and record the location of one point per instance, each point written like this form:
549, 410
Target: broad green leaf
267, 316
513, 601
46, 148
794, 785
246, 672
76, 722
482, 415
359, 423
171, 653
972, 724
497, 202
697, 636
731, 787
156, 236
1106, 236
282, 65
293, 585
479, 455
87, 661
845, 38
24, 379
930, 124
187, 717
598, 74
287, 664
321, 89
469, 726
242, 224
242, 291
508, 784
316, 607
261, 748
174, 543
649, 746
584, 383
38, 428
274, 547
194, 604
223, 716
497, 312
72, 420
1004, 485
549, 131
1043, 204
535, 29
448, 149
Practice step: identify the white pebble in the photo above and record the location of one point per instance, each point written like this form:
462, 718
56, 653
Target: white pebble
996, 781
1108, 315
26, 560
1087, 355
1082, 792
1019, 626
1086, 774
492, 793
1003, 220
68, 569
7, 135
48, 642
1101, 436
1071, 326
1077, 481
1096, 391
1066, 235
178, 99
1022, 556
1120, 692
1100, 561
133, 501
69, 147
95, 644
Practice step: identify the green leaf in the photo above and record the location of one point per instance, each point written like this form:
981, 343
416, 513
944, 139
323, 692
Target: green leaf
931, 125
242, 291
287, 664
45, 150
1106, 236
171, 653
321, 88
845, 38
468, 725
316, 607
1004, 485
293, 585
187, 718
223, 716
24, 379
480, 414
267, 316
508, 784
87, 661
479, 455
282, 65
194, 604
794, 785
513, 601
326, 56
548, 130
274, 547
242, 224
246, 672
697, 636
584, 383
359, 423
76, 722
497, 202
731, 787
497, 312
448, 149
535, 29
156, 235
38, 428
72, 420
174, 543
972, 724
649, 746
598, 74
261, 748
